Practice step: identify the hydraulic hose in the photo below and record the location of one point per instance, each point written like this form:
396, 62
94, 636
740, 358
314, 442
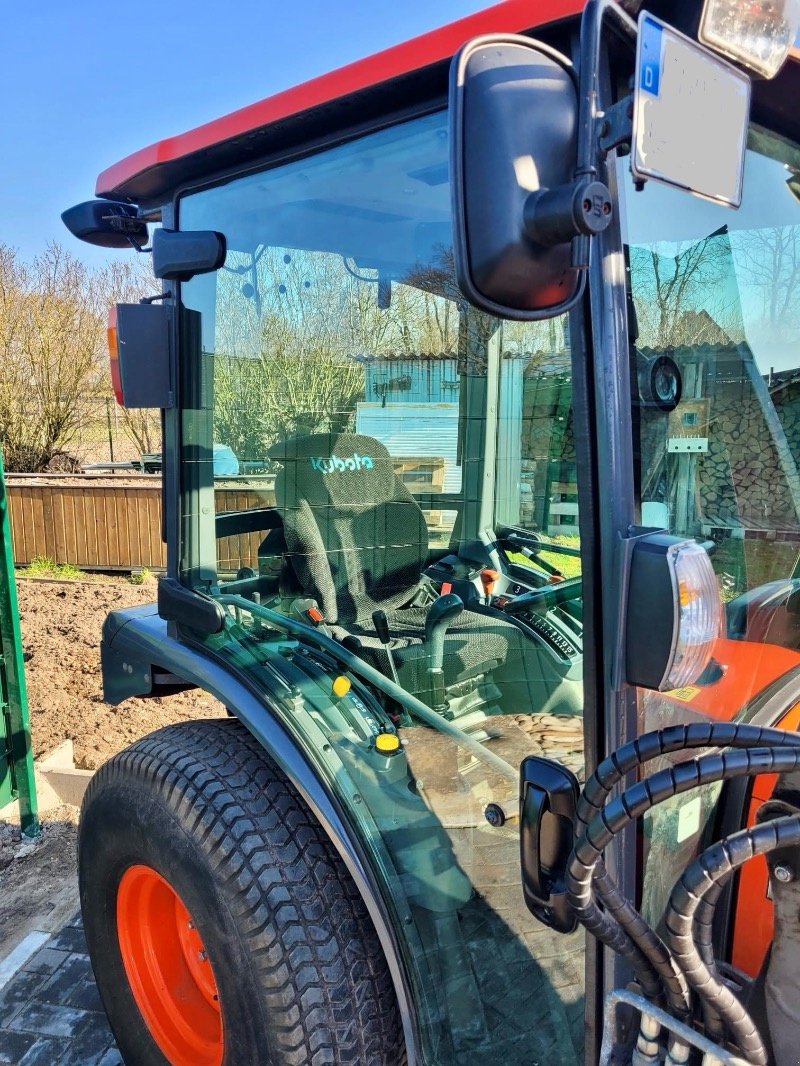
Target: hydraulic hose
704, 939
636, 801
633, 938
660, 742
701, 880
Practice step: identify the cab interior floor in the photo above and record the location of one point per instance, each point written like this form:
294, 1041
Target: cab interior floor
531, 979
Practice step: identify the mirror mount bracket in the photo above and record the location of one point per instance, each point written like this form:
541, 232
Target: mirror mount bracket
616, 125
555, 216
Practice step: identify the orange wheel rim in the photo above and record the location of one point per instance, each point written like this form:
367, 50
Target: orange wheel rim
168, 969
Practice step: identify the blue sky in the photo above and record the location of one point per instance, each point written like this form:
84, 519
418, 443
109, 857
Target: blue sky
84, 84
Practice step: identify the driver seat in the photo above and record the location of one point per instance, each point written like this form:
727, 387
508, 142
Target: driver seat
357, 542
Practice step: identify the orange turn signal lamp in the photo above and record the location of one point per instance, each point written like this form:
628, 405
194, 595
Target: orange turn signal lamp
112, 336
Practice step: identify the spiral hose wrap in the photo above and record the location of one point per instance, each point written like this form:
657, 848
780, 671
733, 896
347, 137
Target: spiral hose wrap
682, 968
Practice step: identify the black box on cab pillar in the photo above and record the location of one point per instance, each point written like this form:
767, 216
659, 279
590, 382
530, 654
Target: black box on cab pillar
144, 333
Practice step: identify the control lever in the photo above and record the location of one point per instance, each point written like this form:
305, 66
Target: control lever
441, 614
488, 580
535, 557
381, 623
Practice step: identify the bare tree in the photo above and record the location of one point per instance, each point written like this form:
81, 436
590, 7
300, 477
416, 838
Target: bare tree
51, 333
769, 260
128, 281
680, 295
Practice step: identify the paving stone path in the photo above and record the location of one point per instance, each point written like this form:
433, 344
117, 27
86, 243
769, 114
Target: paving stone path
50, 1011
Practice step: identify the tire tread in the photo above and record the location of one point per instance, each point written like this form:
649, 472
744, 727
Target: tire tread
320, 967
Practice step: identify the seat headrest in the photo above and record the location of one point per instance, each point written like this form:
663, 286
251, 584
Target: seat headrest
343, 469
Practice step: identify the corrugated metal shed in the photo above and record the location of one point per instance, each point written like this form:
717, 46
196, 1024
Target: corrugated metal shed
429, 429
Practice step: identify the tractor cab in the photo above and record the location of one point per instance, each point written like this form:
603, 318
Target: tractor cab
498, 334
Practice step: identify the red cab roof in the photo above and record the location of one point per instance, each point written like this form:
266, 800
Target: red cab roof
129, 176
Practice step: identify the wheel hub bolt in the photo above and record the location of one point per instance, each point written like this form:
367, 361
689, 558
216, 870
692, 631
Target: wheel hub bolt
783, 874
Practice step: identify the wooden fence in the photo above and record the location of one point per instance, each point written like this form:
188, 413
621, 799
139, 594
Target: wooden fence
113, 522
109, 523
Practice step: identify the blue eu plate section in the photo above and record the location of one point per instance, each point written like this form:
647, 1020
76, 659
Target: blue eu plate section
650, 56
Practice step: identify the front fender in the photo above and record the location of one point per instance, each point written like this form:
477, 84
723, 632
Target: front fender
139, 655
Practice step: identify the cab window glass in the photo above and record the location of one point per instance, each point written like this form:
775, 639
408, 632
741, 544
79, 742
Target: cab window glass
393, 540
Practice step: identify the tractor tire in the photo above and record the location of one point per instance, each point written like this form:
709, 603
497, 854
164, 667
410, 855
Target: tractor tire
223, 927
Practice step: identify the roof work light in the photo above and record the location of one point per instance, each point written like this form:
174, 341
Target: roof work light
758, 33
674, 612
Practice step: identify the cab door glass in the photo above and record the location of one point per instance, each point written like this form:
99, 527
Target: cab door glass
370, 459
714, 320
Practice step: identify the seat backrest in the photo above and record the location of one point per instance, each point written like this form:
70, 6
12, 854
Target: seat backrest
356, 538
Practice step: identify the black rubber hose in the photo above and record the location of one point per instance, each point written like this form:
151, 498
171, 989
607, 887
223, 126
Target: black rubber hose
619, 926
660, 742
635, 802
700, 879
704, 939
648, 955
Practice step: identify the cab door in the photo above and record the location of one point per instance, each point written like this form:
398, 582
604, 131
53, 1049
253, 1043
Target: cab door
716, 300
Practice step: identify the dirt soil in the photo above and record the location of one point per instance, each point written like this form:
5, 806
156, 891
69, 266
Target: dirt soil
61, 623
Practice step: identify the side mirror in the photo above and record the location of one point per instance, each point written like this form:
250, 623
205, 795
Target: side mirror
106, 223
179, 255
514, 126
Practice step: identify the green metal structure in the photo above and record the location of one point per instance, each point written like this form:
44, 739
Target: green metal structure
16, 759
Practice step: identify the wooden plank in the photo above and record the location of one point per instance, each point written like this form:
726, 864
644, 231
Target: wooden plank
39, 546
47, 529
95, 528
70, 540
135, 516
111, 542
57, 533
80, 532
16, 525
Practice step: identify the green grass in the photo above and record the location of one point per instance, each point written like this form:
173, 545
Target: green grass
140, 577
44, 566
568, 565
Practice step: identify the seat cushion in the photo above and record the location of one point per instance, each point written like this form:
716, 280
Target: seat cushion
475, 644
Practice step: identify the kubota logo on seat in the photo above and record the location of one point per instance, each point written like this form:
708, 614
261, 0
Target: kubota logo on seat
334, 464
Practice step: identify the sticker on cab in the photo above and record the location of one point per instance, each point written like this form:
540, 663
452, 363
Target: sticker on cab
685, 694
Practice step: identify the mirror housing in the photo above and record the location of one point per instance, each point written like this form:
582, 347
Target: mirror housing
513, 153
180, 254
106, 223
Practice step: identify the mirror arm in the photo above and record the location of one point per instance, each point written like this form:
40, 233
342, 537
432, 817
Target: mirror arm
594, 15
